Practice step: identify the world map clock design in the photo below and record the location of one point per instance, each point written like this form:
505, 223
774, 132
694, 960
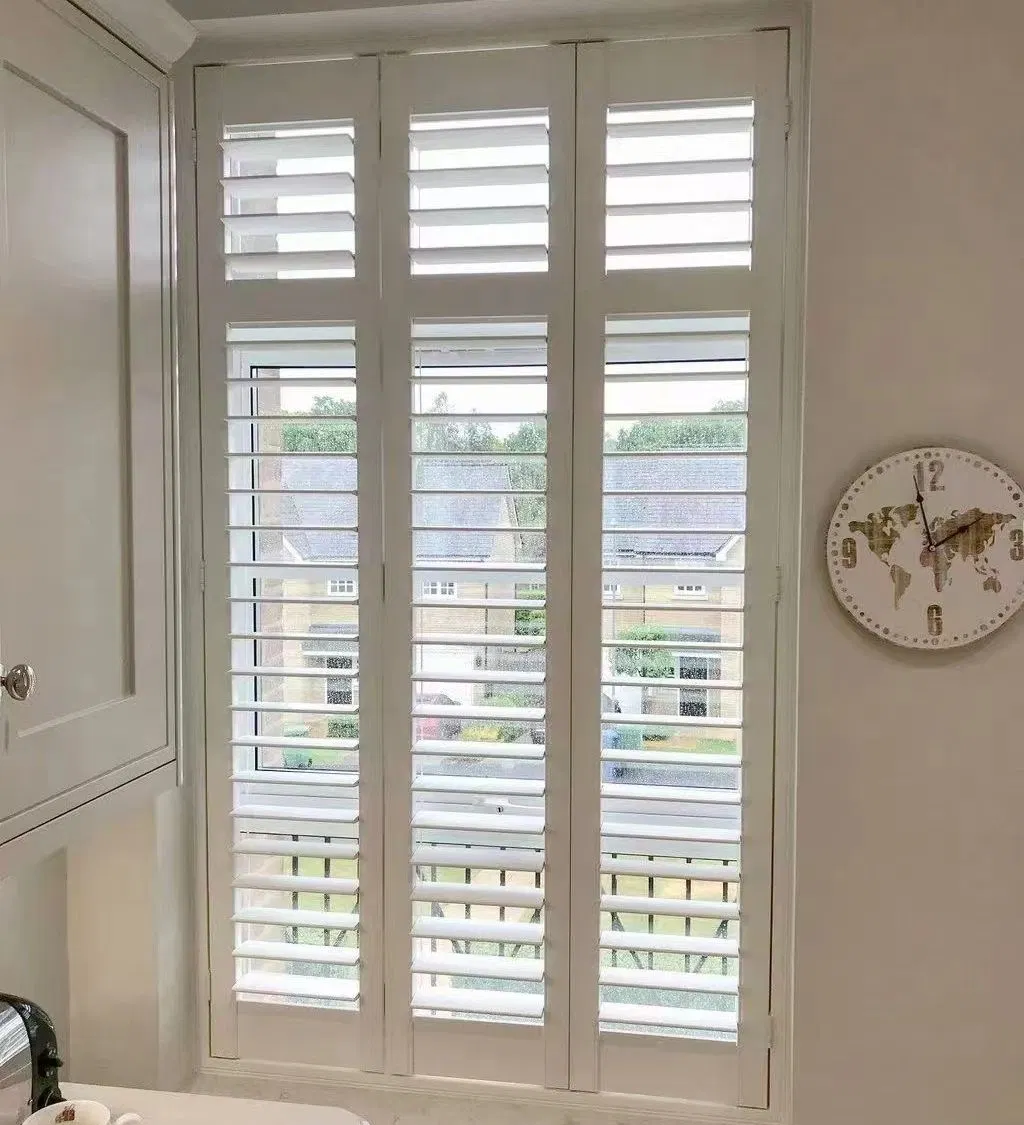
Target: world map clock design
926, 548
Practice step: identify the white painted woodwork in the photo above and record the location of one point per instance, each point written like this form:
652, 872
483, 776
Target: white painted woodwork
83, 423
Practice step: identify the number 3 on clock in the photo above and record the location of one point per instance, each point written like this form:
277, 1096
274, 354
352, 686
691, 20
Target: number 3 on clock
1017, 545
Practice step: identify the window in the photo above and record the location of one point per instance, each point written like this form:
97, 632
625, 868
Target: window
440, 590
499, 544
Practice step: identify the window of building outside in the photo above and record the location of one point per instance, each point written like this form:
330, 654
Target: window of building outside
503, 378
440, 590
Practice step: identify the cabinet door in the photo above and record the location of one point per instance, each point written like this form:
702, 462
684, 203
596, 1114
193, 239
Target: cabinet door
83, 410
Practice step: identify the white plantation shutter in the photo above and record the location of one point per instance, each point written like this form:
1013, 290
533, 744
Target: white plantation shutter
476, 152
293, 551
491, 561
680, 151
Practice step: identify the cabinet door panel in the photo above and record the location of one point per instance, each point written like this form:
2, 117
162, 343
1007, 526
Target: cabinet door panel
83, 483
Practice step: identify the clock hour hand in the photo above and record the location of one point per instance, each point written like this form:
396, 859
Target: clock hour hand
959, 531
920, 503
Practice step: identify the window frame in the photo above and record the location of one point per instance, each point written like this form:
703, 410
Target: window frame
781, 846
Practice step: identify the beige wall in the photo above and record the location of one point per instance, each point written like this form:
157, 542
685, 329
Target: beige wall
33, 938
910, 825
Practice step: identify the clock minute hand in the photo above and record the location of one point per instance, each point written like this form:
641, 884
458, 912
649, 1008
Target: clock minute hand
920, 503
959, 531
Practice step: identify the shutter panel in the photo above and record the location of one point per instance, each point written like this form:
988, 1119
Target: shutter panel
289, 273
289, 200
679, 179
672, 672
476, 149
479, 478
293, 529
680, 149
478, 193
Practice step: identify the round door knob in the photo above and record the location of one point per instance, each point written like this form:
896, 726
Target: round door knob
19, 682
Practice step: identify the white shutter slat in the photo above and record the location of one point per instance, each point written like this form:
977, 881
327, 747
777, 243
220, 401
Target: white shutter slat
279, 916
670, 943
476, 965
656, 1016
478, 1002
465, 929
668, 907
294, 951
301, 146
669, 981
480, 858
261, 187
245, 265
311, 849
288, 985
303, 222
514, 751
509, 787
669, 869
471, 894
296, 884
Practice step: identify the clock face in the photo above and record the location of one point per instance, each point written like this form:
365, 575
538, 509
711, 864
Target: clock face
926, 548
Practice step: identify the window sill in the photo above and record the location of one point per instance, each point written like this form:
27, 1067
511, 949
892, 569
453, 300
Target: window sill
384, 1100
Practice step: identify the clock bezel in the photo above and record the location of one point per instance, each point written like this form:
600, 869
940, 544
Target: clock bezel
859, 613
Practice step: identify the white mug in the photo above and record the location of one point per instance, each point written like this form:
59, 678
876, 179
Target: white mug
79, 1111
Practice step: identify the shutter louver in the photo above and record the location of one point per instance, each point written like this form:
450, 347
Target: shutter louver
679, 186
292, 502
478, 193
479, 548
289, 201
672, 672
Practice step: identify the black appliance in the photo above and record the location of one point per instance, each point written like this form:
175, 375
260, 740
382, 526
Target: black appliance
28, 1060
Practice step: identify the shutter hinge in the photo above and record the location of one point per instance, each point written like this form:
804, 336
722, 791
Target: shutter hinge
195, 147
778, 585
789, 116
760, 1034
202, 576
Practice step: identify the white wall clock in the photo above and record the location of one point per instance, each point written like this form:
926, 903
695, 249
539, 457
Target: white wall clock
926, 548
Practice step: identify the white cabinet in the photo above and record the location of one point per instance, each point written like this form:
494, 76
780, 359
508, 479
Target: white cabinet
85, 442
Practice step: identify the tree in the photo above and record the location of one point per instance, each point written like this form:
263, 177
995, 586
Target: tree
336, 433
650, 663
702, 432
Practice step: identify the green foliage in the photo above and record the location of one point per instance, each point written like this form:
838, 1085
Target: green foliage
342, 728
512, 730
651, 663
530, 622
335, 434
684, 433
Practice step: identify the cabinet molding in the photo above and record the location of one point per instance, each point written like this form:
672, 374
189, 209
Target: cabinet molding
152, 27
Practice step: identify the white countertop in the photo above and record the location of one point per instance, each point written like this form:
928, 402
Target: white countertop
158, 1108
